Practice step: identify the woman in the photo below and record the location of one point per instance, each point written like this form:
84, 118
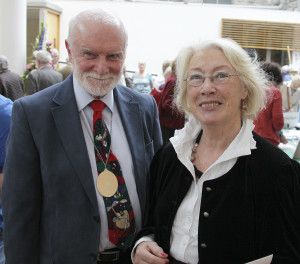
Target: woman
142, 80
270, 120
220, 193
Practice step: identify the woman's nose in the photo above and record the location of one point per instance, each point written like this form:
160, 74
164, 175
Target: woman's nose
208, 86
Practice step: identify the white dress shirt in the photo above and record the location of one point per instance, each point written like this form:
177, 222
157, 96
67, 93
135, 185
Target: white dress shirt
120, 148
184, 233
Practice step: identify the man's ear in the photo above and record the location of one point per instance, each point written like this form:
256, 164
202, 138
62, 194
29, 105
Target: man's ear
69, 51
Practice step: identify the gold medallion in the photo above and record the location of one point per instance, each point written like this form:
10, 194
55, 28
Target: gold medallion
107, 183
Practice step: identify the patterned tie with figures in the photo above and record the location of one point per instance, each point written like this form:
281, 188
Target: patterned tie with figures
111, 184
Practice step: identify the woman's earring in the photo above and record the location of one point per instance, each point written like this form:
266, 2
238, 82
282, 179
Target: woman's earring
243, 105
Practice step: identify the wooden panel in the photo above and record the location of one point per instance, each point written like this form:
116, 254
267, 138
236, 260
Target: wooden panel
52, 25
262, 34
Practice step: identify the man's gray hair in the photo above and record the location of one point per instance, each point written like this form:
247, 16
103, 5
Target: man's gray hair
43, 57
3, 63
285, 69
54, 50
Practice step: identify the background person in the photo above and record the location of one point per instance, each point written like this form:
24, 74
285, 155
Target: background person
52, 207
125, 79
55, 58
11, 84
142, 80
156, 93
66, 70
291, 103
161, 78
286, 73
270, 121
286, 87
220, 193
44, 76
170, 117
5, 116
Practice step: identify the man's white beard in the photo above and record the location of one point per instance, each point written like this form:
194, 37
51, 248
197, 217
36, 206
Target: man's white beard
95, 84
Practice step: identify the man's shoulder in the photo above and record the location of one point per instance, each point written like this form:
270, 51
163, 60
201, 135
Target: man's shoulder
131, 93
4, 101
41, 98
5, 108
49, 70
59, 75
33, 73
9, 75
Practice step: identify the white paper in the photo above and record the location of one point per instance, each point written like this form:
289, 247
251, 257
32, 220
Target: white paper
291, 133
265, 260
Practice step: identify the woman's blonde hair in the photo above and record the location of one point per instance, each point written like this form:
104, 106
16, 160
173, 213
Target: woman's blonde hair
249, 71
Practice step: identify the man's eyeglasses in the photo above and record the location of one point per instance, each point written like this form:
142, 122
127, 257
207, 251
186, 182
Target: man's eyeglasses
198, 79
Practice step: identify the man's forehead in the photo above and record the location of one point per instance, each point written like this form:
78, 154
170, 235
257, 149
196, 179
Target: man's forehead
86, 25
86, 32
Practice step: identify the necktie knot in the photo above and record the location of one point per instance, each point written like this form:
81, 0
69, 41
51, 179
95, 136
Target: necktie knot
97, 105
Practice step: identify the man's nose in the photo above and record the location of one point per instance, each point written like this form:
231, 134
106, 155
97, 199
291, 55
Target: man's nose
101, 66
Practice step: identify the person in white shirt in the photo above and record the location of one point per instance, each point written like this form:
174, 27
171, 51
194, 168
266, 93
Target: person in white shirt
220, 193
291, 94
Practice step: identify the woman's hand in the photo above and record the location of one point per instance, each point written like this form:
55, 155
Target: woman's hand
149, 252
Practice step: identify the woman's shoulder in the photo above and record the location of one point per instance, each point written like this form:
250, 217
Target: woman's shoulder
165, 156
149, 75
166, 151
268, 152
271, 160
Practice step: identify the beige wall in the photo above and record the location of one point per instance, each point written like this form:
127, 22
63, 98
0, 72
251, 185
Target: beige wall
52, 25
33, 28
158, 30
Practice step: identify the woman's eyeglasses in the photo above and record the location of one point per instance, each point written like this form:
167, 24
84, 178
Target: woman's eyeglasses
219, 78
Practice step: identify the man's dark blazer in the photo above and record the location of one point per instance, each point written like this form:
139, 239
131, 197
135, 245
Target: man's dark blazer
49, 199
43, 78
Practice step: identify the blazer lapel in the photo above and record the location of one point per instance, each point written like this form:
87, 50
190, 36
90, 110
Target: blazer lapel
66, 118
131, 118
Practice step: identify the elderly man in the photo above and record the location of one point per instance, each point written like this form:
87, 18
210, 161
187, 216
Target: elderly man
11, 84
78, 156
55, 58
45, 76
67, 69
